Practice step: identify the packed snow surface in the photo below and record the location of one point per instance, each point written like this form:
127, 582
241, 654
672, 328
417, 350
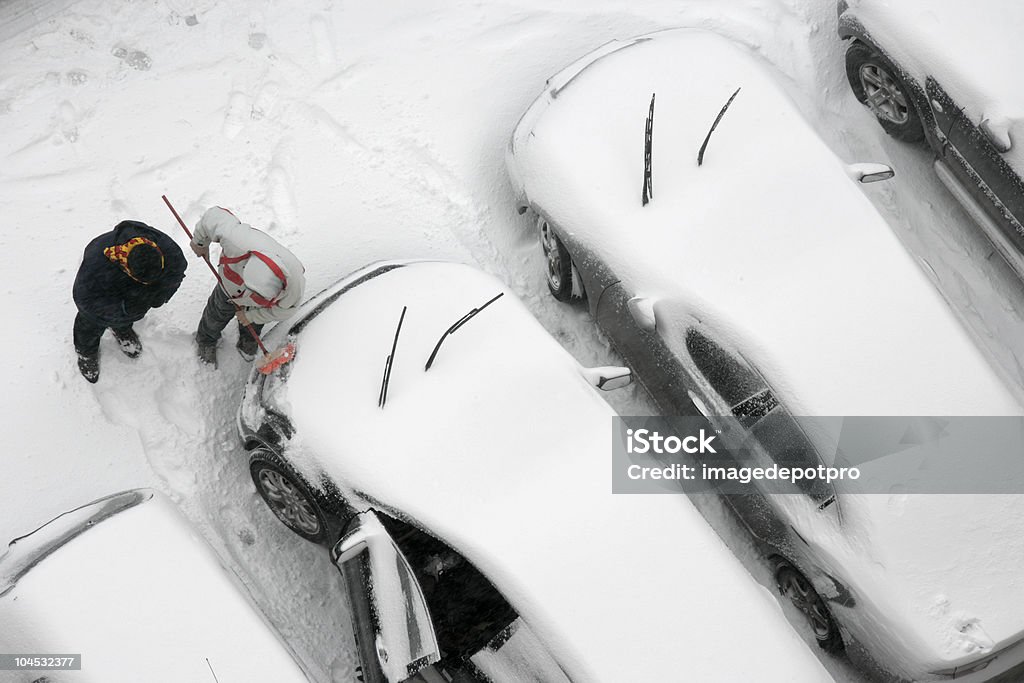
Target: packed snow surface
502, 450
351, 133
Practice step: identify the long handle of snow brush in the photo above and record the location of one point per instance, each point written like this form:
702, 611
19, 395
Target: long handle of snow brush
213, 270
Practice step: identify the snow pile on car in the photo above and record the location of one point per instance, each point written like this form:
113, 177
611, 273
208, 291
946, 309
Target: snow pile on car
770, 243
502, 449
774, 247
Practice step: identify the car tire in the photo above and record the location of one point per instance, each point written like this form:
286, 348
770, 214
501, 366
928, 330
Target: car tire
878, 85
796, 588
559, 263
288, 495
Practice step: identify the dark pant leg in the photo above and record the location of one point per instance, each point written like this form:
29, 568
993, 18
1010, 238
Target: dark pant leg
87, 335
246, 340
218, 312
122, 330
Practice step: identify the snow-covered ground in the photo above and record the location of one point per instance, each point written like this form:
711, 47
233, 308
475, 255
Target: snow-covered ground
351, 132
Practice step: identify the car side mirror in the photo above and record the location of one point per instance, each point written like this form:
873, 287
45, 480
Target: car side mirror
608, 378
395, 635
642, 310
997, 134
870, 172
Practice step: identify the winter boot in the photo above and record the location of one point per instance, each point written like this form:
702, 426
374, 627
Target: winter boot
246, 345
89, 365
129, 342
207, 353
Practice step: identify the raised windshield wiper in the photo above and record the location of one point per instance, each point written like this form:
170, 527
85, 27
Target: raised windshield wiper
718, 119
382, 398
458, 323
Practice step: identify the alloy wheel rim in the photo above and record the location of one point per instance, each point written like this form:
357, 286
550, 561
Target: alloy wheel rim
288, 503
803, 597
550, 247
884, 95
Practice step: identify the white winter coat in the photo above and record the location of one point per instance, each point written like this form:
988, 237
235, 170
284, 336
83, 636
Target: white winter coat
253, 281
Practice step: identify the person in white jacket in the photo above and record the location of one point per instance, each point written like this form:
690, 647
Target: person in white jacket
257, 274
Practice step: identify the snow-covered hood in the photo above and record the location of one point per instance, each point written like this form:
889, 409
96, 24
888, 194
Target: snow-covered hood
504, 450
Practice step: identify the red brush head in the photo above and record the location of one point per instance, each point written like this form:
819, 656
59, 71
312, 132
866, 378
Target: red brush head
275, 359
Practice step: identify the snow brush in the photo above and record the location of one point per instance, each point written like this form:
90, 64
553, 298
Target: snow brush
271, 360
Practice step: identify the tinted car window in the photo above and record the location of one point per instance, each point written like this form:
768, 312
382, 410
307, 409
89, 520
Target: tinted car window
468, 610
786, 444
730, 377
757, 409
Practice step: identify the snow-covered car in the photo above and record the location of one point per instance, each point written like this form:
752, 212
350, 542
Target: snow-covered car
762, 284
460, 455
127, 587
946, 71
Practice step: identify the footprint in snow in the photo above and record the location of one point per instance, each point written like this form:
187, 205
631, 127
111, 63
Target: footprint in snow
280, 197
136, 59
266, 100
257, 30
323, 44
76, 77
82, 37
238, 111
68, 121
246, 536
236, 525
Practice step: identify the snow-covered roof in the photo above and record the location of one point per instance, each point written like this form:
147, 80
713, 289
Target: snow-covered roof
972, 49
127, 583
776, 249
504, 450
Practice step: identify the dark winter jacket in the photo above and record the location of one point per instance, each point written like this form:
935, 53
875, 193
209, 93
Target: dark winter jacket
108, 295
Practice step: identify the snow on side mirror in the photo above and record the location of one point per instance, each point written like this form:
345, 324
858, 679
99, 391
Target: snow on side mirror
608, 378
642, 310
870, 173
998, 133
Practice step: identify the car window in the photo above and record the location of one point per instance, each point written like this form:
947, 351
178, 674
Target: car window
785, 443
730, 377
468, 609
758, 410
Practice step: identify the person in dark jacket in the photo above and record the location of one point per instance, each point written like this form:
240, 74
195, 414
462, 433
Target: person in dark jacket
124, 273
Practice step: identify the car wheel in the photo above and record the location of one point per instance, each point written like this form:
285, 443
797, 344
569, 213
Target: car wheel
798, 590
559, 264
288, 495
876, 83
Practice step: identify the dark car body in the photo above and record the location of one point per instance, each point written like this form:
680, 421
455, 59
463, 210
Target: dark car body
741, 294
972, 160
